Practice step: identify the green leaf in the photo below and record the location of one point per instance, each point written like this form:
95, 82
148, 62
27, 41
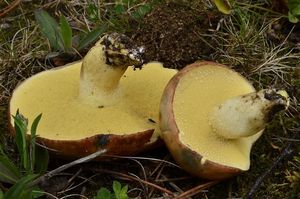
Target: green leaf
21, 188
123, 193
293, 4
8, 171
33, 128
50, 29
66, 33
118, 9
42, 159
35, 124
135, 15
103, 193
1, 194
21, 124
292, 18
120, 193
92, 12
37, 192
91, 37
117, 187
141, 11
296, 10
223, 6
144, 9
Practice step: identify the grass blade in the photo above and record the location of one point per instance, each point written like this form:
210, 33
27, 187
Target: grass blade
33, 141
42, 159
21, 130
66, 33
21, 188
37, 192
50, 29
91, 37
9, 172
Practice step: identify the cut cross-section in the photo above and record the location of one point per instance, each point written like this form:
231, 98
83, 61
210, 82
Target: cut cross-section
195, 128
97, 103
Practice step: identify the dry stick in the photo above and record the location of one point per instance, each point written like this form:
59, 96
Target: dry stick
66, 166
285, 153
159, 167
9, 8
136, 179
173, 185
175, 179
143, 158
196, 190
68, 184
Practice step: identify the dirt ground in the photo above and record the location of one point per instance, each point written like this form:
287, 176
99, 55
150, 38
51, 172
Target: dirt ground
176, 36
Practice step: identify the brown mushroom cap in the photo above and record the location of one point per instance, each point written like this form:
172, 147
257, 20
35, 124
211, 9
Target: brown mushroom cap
185, 124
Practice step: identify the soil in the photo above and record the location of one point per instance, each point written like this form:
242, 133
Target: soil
176, 35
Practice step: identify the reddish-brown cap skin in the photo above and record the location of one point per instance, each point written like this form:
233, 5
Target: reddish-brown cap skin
188, 159
123, 145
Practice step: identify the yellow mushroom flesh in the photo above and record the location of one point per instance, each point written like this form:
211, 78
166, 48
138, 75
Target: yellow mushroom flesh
93, 97
200, 95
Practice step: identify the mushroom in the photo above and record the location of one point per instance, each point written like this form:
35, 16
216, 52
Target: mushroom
210, 116
97, 103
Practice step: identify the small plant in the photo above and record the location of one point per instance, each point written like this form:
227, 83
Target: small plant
224, 6
294, 176
33, 162
294, 10
119, 192
61, 36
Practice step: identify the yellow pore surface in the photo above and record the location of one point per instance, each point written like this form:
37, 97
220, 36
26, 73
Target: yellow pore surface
197, 93
54, 93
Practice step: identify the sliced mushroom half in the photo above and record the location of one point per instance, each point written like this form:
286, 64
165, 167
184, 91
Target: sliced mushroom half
210, 116
96, 103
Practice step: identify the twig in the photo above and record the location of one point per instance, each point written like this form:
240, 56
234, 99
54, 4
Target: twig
143, 158
196, 190
136, 179
175, 179
66, 166
159, 168
173, 185
9, 8
285, 153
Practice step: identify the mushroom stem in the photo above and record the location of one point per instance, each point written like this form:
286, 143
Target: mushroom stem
104, 65
248, 114
98, 79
